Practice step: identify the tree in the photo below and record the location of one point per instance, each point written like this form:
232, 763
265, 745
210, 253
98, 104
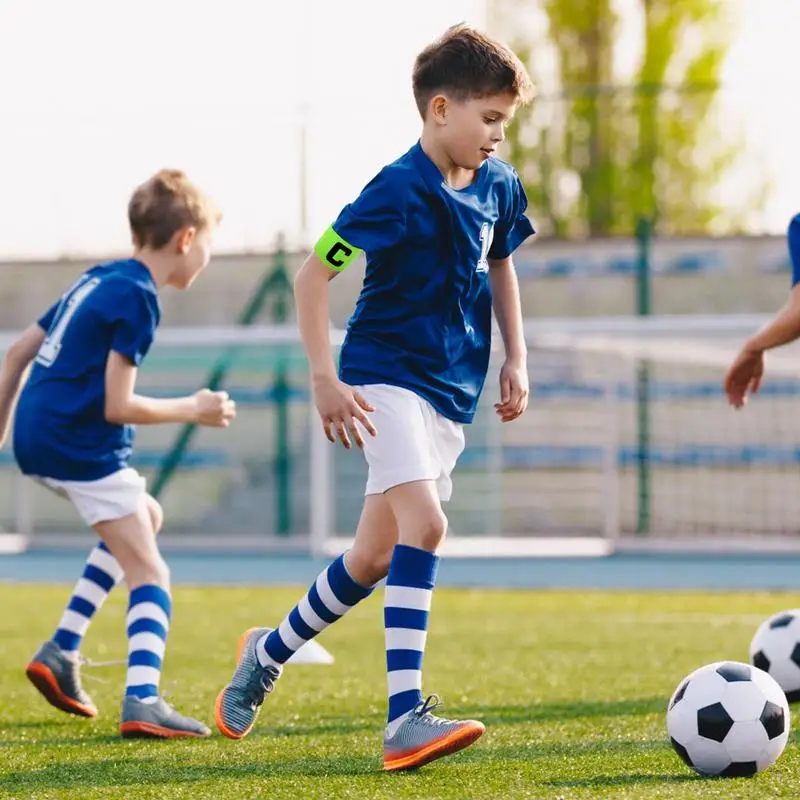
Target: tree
599, 151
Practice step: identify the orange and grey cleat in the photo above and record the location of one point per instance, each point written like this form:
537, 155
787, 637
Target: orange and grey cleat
57, 676
157, 720
421, 737
239, 703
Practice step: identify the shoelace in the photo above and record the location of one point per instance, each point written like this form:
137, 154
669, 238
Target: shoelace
423, 711
83, 661
265, 685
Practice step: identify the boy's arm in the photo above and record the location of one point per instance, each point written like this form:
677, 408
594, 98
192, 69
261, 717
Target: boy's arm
125, 407
747, 371
508, 307
338, 404
14, 371
782, 329
311, 300
508, 311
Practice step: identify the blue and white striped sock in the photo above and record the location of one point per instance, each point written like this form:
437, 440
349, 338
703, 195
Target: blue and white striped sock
100, 575
407, 603
149, 612
330, 597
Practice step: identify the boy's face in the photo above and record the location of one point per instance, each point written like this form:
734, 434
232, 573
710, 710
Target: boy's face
194, 248
471, 130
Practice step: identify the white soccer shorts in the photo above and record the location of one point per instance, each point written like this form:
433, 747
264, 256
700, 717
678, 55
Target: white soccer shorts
104, 500
414, 442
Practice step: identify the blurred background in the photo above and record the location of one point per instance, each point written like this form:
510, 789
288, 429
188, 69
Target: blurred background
660, 160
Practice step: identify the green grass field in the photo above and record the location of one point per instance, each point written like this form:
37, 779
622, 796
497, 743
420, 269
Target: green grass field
572, 688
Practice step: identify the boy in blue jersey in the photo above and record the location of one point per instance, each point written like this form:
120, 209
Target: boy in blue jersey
438, 226
73, 432
747, 371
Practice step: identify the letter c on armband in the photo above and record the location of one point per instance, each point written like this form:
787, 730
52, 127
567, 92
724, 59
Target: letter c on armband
335, 252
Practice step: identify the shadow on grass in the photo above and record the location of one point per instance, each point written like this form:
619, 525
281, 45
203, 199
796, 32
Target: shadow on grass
634, 779
151, 771
560, 750
565, 711
88, 740
340, 725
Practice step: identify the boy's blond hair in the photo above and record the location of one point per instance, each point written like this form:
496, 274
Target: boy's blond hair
164, 204
466, 63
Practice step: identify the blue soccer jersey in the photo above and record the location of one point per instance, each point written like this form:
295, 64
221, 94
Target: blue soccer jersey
60, 429
423, 318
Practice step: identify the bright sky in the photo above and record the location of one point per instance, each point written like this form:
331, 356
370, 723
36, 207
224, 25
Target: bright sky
97, 95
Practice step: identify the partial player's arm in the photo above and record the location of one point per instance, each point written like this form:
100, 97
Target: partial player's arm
125, 407
375, 221
14, 371
746, 372
512, 229
508, 311
338, 404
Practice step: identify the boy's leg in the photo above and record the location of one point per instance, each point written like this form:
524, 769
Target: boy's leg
144, 712
100, 575
414, 736
338, 588
55, 668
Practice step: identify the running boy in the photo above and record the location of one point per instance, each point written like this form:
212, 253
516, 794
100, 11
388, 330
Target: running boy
438, 226
74, 429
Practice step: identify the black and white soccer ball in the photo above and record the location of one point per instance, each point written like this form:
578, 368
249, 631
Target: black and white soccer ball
776, 649
728, 719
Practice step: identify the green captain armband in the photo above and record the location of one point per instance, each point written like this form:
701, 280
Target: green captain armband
335, 252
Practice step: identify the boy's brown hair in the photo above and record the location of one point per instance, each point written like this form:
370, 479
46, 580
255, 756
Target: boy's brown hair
466, 63
164, 204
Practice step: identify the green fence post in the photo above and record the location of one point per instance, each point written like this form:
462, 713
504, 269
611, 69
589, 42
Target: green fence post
644, 235
283, 456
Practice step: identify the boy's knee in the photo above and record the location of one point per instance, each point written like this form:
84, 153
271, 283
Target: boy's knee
155, 512
429, 531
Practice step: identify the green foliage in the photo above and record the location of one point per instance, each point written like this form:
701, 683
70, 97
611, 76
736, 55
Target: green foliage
604, 150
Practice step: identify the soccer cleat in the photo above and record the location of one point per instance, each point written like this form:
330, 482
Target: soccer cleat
238, 704
422, 737
157, 720
57, 676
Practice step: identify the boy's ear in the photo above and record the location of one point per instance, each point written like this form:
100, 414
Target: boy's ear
437, 109
185, 237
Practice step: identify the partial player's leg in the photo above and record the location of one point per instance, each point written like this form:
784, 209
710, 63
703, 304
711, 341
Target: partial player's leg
262, 652
414, 736
55, 668
144, 712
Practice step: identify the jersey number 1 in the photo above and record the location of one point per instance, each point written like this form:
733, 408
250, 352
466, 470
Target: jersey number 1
487, 236
51, 346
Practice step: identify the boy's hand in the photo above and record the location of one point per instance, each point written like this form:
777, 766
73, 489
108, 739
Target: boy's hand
744, 376
339, 406
214, 409
514, 389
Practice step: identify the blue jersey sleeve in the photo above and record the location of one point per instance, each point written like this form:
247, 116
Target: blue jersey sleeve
134, 325
794, 248
514, 227
376, 220
46, 320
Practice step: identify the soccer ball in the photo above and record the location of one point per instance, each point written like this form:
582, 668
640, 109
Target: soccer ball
776, 649
728, 719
